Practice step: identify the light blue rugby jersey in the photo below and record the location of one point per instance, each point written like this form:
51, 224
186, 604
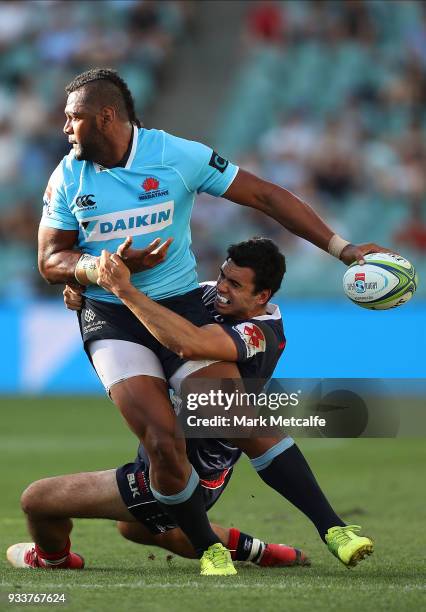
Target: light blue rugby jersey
152, 196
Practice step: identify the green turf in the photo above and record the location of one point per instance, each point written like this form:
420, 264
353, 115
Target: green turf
376, 483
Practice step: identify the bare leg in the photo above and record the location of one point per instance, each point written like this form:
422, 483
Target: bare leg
174, 540
144, 403
49, 504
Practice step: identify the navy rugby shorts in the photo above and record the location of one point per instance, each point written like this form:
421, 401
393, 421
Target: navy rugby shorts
133, 483
103, 320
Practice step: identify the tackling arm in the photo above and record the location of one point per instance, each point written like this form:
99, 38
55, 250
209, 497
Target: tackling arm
171, 330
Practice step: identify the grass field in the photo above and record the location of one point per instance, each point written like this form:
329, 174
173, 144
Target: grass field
376, 483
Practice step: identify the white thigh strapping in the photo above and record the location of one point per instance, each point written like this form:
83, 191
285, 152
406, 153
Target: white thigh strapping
117, 360
189, 367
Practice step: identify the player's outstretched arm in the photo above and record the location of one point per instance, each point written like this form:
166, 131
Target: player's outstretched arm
171, 330
295, 215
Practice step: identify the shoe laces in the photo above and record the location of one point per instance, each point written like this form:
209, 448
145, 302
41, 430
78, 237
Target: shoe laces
340, 536
219, 556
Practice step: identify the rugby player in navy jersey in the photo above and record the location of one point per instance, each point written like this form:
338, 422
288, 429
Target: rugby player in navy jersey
124, 495
123, 180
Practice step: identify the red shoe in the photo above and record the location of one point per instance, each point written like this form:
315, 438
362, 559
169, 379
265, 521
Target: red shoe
280, 555
24, 555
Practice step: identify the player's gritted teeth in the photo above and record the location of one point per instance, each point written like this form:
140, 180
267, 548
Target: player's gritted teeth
221, 300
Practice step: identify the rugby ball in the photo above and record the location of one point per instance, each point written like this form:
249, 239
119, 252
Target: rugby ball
386, 280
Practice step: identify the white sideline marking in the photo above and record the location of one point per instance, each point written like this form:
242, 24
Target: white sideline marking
202, 584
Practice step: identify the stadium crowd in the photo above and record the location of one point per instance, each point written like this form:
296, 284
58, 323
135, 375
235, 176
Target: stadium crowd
328, 101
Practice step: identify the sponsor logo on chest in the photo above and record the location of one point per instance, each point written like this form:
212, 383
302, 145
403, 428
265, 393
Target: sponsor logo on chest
133, 222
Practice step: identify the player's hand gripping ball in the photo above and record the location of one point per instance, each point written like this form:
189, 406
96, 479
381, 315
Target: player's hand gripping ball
386, 280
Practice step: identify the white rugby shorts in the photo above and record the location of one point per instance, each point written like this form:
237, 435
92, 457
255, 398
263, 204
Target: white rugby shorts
118, 360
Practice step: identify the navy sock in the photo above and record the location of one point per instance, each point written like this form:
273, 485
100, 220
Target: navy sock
192, 518
188, 510
290, 475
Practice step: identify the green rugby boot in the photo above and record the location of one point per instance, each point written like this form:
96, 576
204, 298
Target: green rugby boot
348, 547
216, 561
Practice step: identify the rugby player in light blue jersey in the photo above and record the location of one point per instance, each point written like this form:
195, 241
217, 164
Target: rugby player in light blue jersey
123, 180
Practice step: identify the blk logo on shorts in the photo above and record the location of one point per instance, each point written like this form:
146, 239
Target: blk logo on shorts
132, 485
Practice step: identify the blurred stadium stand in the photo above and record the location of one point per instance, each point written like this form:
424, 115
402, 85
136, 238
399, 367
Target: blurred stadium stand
329, 101
325, 98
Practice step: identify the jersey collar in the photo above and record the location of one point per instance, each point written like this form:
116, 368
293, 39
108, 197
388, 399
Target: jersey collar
272, 312
99, 168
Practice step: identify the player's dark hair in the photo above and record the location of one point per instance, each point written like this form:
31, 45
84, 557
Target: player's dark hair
105, 86
264, 258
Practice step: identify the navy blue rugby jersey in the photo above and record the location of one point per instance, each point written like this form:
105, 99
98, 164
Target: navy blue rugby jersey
260, 342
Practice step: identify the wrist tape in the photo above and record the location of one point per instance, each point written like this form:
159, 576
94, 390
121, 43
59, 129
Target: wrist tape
336, 245
86, 266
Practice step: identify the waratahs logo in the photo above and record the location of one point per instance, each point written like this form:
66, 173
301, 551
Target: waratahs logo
152, 189
151, 184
